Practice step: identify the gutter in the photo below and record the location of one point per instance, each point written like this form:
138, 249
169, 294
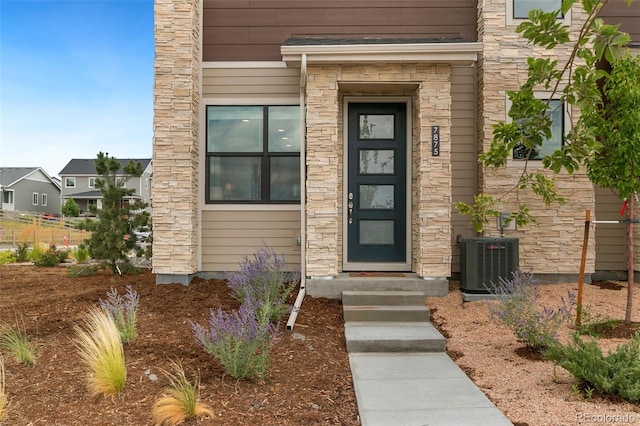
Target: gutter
303, 197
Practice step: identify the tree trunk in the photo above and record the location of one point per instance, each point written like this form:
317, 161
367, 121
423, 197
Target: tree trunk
627, 317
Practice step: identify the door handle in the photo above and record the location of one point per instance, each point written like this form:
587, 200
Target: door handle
350, 207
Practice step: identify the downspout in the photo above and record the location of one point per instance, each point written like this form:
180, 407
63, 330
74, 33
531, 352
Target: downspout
303, 195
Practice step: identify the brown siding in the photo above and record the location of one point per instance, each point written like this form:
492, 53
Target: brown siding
617, 11
611, 239
236, 30
229, 236
464, 154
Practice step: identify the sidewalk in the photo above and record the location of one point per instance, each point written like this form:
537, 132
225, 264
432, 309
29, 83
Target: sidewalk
406, 389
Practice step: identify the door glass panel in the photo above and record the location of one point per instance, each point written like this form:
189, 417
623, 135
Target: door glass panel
377, 162
377, 197
376, 232
376, 126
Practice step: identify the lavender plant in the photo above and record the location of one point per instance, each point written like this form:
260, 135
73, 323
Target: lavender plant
124, 311
240, 341
267, 279
518, 309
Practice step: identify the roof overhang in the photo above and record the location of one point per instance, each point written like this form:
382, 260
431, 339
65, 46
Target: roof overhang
451, 53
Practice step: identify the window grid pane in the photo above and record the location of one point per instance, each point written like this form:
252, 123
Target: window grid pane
235, 129
556, 113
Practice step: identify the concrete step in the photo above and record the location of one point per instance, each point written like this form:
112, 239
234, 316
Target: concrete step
393, 337
350, 298
387, 313
333, 287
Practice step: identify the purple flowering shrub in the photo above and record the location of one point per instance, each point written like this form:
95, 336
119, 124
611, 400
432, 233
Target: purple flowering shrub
124, 311
536, 326
239, 340
267, 279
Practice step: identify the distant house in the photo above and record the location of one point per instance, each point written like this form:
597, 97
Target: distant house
78, 181
29, 189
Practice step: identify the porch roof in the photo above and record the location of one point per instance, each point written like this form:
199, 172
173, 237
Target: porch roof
388, 50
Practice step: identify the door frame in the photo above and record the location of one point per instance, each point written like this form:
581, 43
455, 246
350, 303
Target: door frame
377, 266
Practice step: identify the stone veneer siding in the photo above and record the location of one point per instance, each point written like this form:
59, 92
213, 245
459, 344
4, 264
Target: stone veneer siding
554, 247
175, 150
431, 181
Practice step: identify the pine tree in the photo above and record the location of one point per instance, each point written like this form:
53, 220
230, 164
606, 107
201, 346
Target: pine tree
113, 237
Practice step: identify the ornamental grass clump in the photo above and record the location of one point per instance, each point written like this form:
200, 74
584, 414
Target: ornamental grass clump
518, 308
617, 373
180, 401
240, 341
267, 279
124, 311
100, 347
15, 341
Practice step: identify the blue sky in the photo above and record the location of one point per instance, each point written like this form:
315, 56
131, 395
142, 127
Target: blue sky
76, 78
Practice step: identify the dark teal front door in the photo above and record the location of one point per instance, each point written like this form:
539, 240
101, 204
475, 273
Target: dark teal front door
376, 187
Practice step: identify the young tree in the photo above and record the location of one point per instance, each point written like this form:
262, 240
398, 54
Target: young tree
605, 137
113, 236
70, 208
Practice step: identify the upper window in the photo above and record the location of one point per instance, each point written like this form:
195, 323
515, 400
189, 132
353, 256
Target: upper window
549, 145
518, 10
92, 182
35, 198
253, 154
521, 8
44, 199
70, 182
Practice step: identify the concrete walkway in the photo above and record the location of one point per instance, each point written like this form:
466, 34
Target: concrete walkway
401, 373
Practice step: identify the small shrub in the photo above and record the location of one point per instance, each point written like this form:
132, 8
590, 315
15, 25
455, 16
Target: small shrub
4, 399
127, 268
22, 252
36, 253
82, 271
267, 280
594, 325
101, 350
518, 309
617, 373
51, 257
124, 311
16, 341
7, 257
80, 253
239, 341
181, 401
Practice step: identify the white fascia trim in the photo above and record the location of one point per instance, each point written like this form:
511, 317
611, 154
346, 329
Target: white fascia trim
244, 64
465, 53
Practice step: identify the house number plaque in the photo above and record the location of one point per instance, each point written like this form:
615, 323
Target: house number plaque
435, 141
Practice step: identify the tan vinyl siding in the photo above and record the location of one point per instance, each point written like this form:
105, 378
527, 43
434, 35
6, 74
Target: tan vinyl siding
230, 235
250, 83
611, 239
236, 30
464, 156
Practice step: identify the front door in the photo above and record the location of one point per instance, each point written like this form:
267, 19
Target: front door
376, 187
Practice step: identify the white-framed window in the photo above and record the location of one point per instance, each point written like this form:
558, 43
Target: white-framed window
146, 184
92, 182
70, 182
253, 154
561, 123
35, 198
121, 182
518, 10
44, 199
